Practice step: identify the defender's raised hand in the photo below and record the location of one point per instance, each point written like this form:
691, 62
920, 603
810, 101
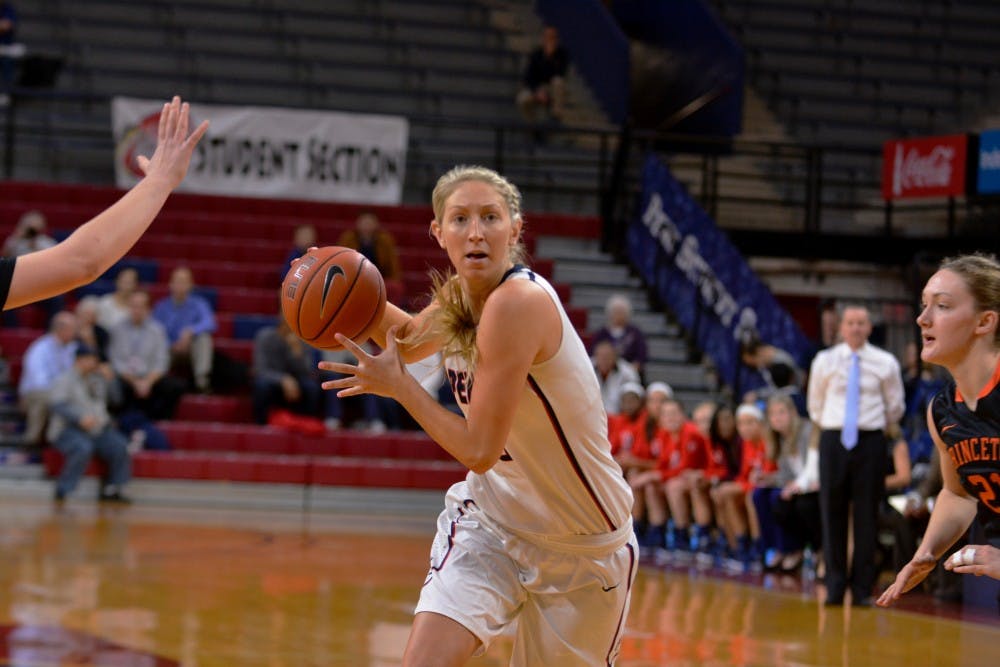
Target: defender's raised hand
174, 145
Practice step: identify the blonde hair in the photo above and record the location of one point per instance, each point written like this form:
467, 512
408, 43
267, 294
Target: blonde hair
775, 445
454, 322
981, 273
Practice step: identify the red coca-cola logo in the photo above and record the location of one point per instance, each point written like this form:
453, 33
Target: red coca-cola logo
925, 167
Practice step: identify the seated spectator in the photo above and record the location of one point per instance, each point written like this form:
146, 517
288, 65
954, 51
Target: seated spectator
89, 332
140, 357
81, 428
30, 235
730, 498
379, 247
776, 366
612, 374
285, 374
46, 359
649, 509
628, 340
303, 238
787, 501
112, 308
544, 80
189, 322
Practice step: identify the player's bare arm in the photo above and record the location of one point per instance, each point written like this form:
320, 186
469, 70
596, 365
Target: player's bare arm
102, 241
954, 510
407, 327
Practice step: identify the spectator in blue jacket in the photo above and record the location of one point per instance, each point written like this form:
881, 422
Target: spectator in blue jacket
189, 322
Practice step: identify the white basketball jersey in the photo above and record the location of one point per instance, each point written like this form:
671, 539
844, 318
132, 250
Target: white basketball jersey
556, 479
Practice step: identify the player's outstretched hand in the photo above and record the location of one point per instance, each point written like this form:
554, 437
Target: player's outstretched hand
174, 145
912, 574
379, 374
977, 559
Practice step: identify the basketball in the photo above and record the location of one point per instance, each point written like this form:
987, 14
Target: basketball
332, 290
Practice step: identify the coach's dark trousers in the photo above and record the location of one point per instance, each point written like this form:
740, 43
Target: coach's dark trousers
851, 479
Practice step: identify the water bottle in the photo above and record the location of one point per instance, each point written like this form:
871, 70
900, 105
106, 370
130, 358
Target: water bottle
808, 565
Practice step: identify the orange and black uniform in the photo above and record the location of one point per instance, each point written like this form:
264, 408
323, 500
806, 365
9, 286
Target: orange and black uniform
972, 438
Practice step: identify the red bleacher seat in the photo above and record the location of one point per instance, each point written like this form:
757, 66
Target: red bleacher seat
226, 409
14, 342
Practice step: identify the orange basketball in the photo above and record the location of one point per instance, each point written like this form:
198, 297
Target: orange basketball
332, 290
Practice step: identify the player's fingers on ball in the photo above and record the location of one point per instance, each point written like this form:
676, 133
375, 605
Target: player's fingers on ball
349, 344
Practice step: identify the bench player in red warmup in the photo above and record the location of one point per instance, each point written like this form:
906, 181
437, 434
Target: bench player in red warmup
959, 327
90, 250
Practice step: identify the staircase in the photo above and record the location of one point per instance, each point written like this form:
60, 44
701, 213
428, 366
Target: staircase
593, 276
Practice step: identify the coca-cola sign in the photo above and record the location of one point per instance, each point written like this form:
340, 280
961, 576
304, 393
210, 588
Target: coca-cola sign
924, 167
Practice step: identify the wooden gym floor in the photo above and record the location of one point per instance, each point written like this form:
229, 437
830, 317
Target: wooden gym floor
160, 585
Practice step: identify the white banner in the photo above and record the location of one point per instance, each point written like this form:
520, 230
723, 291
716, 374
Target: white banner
274, 152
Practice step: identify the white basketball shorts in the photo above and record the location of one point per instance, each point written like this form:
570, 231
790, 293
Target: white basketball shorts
570, 608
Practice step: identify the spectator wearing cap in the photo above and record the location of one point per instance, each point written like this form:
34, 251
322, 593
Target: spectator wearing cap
81, 428
613, 373
628, 340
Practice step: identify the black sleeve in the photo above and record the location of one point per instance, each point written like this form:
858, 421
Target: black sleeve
6, 274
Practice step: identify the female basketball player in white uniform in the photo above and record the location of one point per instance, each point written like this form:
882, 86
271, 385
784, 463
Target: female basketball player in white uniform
959, 326
96, 245
540, 532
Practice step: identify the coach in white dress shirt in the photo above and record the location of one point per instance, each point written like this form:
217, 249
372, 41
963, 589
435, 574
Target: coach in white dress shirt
855, 392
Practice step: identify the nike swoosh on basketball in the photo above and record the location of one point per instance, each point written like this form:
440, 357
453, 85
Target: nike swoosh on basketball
949, 426
608, 589
331, 275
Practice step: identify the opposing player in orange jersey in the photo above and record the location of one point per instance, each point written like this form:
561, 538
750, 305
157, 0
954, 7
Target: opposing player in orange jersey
959, 327
96, 245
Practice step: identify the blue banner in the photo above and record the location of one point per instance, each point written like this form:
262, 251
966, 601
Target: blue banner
988, 178
697, 271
